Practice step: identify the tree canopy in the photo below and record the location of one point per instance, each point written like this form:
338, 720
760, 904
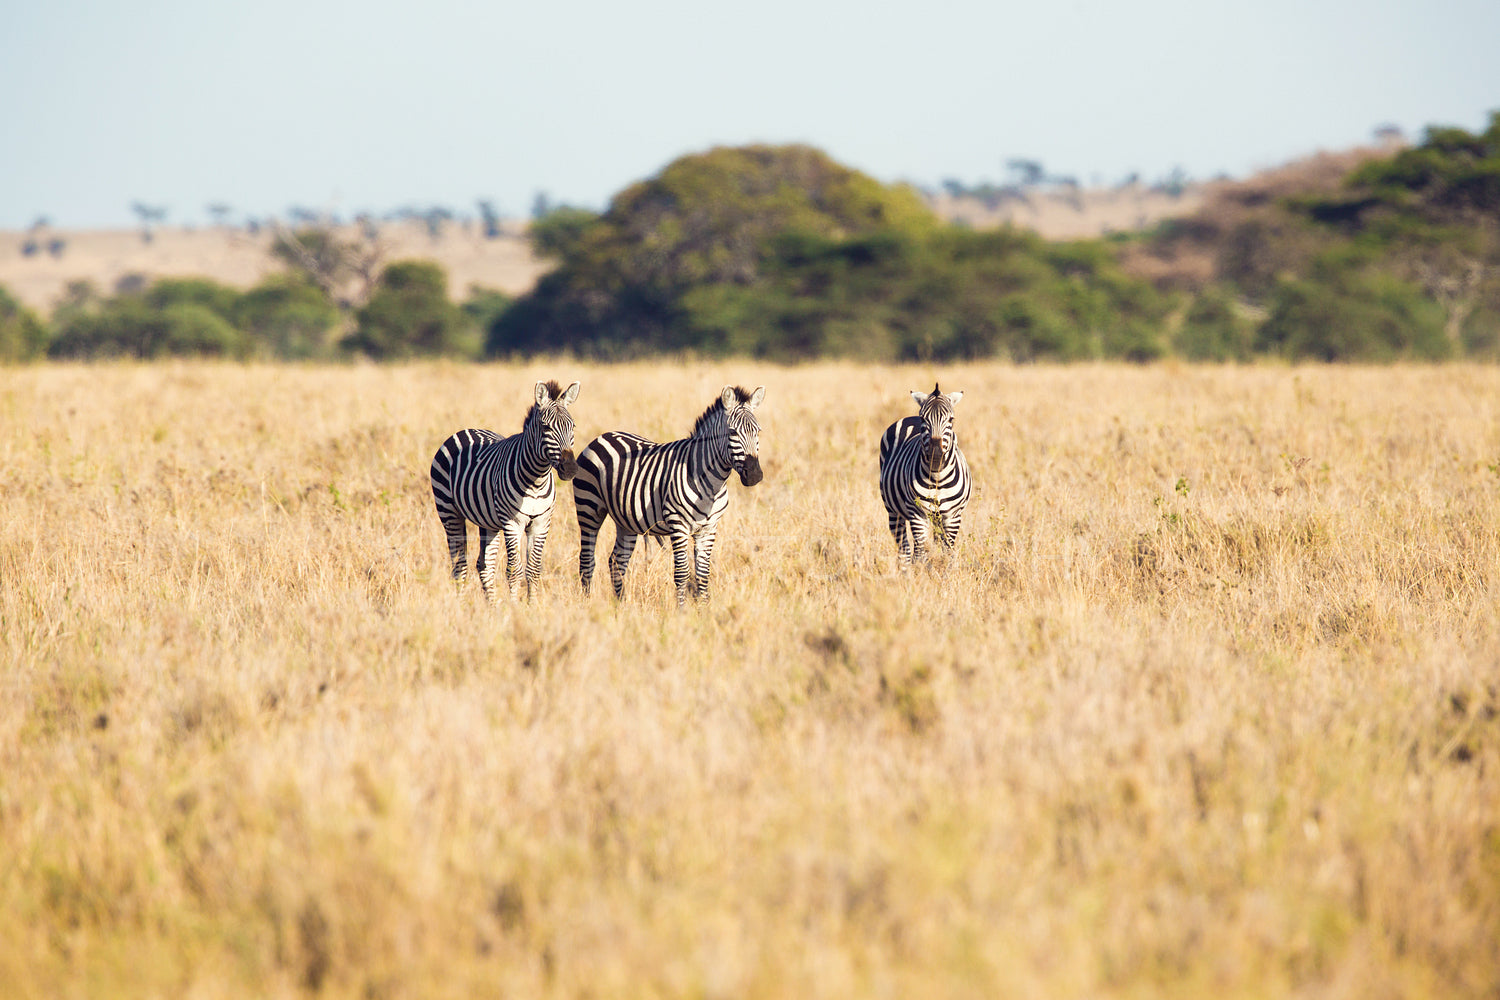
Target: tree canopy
780, 252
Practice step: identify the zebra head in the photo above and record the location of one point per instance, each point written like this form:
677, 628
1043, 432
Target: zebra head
555, 424
744, 431
935, 408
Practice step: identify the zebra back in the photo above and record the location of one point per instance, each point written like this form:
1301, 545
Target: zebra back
487, 478
639, 482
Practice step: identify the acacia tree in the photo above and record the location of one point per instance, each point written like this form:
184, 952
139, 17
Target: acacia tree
345, 269
149, 215
705, 220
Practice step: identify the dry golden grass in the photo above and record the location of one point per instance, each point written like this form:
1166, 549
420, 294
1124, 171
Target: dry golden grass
1204, 702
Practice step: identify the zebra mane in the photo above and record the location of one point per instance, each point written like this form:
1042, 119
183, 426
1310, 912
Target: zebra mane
554, 391
715, 408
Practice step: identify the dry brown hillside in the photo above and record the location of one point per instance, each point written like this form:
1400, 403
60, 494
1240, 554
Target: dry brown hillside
1188, 257
238, 258
1061, 213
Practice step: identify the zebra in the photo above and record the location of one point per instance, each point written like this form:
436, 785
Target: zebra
677, 490
504, 485
924, 479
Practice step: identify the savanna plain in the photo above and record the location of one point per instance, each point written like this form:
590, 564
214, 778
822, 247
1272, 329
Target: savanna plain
1206, 700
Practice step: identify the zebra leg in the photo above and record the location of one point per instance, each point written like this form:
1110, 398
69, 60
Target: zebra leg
588, 538
704, 555
952, 521
682, 566
921, 531
620, 558
457, 530
489, 552
515, 541
536, 535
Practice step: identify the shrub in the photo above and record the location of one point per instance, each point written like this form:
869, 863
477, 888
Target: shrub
1213, 330
409, 315
288, 317
131, 326
1363, 317
23, 337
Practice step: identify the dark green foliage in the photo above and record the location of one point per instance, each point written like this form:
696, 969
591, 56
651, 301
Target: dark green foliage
1423, 238
168, 292
283, 317
1253, 255
1395, 257
1353, 316
780, 252
557, 234
1214, 330
409, 315
22, 335
484, 306
288, 317
129, 328
169, 318
1452, 171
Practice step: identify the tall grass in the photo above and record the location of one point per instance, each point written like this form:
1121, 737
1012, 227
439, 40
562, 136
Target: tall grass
1204, 701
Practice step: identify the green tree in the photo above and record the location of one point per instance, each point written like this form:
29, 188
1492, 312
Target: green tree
705, 219
409, 315
1353, 316
130, 326
287, 316
780, 252
23, 337
1214, 330
558, 233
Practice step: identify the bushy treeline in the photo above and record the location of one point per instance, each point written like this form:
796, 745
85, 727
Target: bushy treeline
286, 317
779, 252
1398, 257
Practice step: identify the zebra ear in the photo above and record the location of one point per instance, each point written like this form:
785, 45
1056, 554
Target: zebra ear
920, 397
756, 396
541, 394
954, 397
728, 399
570, 394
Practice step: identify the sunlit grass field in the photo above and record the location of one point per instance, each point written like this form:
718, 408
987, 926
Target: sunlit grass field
1204, 703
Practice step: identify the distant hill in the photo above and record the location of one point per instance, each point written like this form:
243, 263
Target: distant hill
239, 258
1184, 255
1068, 213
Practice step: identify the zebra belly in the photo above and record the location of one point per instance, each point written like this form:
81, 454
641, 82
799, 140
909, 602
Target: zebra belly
908, 478
497, 515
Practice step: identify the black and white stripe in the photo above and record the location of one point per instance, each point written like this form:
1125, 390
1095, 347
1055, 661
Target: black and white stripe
677, 490
924, 479
504, 485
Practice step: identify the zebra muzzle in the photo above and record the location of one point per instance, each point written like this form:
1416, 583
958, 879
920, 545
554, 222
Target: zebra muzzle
750, 473
567, 467
934, 457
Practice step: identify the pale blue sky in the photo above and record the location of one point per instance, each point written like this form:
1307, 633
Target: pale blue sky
373, 105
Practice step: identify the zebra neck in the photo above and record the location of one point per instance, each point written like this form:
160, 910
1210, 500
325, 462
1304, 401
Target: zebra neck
532, 463
709, 459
